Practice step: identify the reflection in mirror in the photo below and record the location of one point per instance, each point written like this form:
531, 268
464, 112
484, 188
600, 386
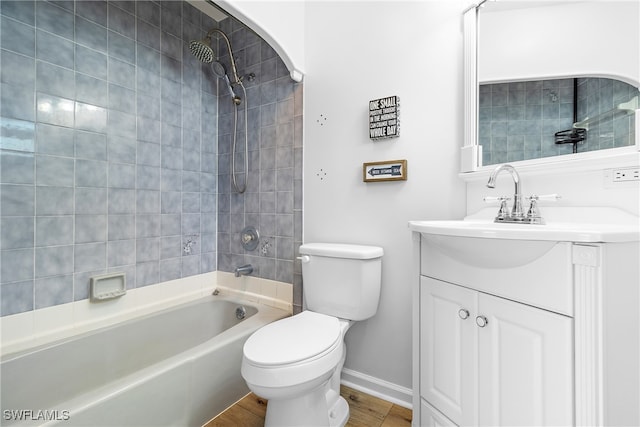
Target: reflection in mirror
547, 87
542, 118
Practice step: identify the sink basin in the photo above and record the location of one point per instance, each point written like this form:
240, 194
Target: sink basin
563, 225
478, 241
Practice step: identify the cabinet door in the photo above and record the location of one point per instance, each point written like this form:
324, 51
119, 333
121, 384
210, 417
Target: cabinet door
525, 365
448, 348
431, 417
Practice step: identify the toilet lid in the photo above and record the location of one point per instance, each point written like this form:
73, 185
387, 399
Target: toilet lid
292, 339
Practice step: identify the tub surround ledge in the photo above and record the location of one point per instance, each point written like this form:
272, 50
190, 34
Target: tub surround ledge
26, 330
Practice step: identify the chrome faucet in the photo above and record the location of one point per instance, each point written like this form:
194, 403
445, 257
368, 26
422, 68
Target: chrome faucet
516, 212
243, 270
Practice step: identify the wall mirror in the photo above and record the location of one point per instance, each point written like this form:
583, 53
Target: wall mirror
551, 79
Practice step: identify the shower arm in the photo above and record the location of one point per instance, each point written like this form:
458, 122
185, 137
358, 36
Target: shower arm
232, 60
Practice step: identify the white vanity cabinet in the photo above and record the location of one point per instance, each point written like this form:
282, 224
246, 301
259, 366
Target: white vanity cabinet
516, 331
487, 360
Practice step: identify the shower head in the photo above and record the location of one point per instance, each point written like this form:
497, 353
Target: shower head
218, 69
202, 50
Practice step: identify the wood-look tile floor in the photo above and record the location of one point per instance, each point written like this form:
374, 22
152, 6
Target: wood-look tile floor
365, 411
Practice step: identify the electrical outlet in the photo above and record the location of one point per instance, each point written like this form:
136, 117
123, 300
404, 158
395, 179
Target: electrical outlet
627, 174
619, 178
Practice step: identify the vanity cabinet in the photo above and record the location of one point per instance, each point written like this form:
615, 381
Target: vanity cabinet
525, 332
512, 360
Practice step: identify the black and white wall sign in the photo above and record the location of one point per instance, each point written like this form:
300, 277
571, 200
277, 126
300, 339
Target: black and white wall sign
384, 117
390, 170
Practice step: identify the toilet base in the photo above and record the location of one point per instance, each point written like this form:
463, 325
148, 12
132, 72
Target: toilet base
339, 413
309, 409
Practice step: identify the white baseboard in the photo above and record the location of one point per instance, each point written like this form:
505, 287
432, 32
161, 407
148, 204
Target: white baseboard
390, 392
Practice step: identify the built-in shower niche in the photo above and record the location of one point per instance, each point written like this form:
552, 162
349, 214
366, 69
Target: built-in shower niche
542, 118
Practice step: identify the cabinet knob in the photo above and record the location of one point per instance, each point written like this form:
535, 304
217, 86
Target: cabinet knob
481, 321
463, 313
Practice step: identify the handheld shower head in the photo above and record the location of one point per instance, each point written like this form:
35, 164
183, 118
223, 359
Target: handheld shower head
221, 72
202, 49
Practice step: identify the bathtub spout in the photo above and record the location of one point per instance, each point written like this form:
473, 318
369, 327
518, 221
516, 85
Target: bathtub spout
243, 270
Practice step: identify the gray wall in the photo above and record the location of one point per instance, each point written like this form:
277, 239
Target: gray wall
272, 201
109, 149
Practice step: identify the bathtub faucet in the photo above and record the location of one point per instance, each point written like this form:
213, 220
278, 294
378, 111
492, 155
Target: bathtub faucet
243, 270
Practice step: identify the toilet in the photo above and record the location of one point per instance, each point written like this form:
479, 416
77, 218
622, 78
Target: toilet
295, 363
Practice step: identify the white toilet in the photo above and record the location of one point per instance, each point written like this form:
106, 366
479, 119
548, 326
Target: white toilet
296, 362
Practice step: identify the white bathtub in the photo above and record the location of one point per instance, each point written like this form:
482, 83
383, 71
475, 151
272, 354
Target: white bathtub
176, 367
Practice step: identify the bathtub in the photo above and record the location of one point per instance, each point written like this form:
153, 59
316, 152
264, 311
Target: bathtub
176, 367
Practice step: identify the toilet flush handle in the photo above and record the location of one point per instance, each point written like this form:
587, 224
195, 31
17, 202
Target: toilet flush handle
304, 258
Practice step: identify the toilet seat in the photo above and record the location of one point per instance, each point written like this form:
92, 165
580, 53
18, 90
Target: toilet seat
297, 339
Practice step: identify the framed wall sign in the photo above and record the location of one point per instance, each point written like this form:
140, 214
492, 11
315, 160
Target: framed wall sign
384, 118
390, 170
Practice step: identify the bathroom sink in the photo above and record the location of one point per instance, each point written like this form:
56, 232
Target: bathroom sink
478, 241
585, 225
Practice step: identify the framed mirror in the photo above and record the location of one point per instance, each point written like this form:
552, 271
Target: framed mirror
550, 81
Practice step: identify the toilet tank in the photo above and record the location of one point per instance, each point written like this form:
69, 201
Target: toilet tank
341, 280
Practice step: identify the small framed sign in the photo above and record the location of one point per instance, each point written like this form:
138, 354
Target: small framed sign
384, 117
390, 170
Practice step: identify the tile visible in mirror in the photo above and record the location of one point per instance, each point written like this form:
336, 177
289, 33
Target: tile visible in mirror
17, 37
91, 145
54, 171
54, 19
90, 34
91, 117
16, 101
91, 173
55, 140
91, 200
54, 80
54, 201
17, 135
16, 167
91, 62
94, 10
54, 49
91, 90
54, 110
17, 200
17, 69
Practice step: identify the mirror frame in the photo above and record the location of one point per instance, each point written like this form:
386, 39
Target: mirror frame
471, 151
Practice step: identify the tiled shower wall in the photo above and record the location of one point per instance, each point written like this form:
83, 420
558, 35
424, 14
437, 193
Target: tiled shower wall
109, 148
272, 202
517, 121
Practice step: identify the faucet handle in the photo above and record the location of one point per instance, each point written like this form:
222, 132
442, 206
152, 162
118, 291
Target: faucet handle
503, 212
491, 199
545, 197
533, 214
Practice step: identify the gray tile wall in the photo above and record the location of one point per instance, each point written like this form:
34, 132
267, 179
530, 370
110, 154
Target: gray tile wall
517, 121
108, 149
272, 201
